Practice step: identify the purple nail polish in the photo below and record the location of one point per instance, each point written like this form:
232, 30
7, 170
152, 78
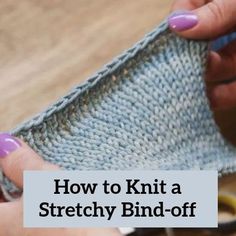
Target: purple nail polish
8, 144
182, 20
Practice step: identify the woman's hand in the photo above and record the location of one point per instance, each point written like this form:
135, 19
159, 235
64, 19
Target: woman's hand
209, 19
15, 157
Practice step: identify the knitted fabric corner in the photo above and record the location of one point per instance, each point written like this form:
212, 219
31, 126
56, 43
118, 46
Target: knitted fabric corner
147, 109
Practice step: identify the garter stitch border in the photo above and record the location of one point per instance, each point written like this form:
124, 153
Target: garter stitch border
147, 109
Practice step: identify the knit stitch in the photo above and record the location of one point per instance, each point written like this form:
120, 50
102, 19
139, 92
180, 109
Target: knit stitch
147, 109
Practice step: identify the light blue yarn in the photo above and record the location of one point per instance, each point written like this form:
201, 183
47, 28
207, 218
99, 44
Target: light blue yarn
147, 109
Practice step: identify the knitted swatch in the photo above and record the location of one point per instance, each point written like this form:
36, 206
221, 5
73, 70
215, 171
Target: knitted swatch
147, 109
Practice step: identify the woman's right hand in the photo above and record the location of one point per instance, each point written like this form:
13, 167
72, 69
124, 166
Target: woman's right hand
209, 19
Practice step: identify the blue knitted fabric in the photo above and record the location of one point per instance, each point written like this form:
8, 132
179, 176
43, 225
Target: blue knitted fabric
147, 109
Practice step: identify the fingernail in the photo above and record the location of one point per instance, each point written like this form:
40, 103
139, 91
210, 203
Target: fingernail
182, 20
8, 144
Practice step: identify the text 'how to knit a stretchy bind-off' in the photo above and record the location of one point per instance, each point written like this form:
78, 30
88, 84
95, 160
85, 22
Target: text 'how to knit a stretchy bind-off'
120, 198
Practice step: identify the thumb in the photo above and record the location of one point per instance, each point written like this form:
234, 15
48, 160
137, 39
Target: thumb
16, 156
208, 21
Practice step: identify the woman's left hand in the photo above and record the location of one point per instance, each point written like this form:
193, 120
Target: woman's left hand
15, 157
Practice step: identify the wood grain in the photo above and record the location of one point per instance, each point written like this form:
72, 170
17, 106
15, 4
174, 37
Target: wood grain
49, 46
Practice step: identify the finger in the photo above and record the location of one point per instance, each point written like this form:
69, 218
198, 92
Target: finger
209, 21
16, 157
10, 217
223, 96
222, 64
187, 4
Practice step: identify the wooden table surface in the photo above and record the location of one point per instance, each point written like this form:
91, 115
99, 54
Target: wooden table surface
49, 46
